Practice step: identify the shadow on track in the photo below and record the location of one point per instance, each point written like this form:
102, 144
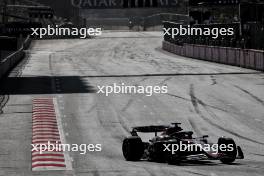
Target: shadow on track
205, 163
192, 163
174, 74
44, 85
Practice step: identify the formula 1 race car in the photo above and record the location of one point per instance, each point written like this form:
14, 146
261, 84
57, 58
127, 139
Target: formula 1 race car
167, 146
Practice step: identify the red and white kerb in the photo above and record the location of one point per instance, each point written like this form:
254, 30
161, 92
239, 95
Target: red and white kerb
45, 130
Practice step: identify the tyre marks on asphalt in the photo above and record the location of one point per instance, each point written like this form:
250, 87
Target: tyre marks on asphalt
251, 95
46, 129
3, 100
213, 79
116, 126
195, 102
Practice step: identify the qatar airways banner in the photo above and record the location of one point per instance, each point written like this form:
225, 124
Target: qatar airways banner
86, 4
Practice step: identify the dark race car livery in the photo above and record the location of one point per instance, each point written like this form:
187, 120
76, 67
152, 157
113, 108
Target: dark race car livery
162, 147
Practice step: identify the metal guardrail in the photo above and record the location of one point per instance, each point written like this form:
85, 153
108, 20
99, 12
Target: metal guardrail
7, 63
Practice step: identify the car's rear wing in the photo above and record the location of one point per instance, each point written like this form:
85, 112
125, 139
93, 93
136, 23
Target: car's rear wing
154, 128
148, 129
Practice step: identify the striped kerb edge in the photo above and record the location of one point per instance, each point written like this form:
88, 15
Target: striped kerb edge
45, 129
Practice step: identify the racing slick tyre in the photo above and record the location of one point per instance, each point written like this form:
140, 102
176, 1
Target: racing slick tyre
230, 155
133, 148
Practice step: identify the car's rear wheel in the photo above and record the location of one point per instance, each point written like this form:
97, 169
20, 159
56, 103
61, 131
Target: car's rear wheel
133, 148
230, 152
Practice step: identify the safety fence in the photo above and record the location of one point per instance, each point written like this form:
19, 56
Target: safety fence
247, 58
248, 35
213, 39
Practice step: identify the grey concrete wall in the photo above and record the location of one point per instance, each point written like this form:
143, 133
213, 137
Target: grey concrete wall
247, 58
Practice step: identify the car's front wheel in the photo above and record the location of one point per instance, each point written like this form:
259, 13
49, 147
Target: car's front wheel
230, 151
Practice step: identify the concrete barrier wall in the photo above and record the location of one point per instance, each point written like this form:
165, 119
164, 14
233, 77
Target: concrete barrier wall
237, 56
27, 43
208, 53
7, 63
241, 59
259, 55
4, 67
215, 55
195, 51
231, 56
222, 55
253, 59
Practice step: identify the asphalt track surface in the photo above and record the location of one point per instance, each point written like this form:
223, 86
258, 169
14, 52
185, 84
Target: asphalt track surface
208, 98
